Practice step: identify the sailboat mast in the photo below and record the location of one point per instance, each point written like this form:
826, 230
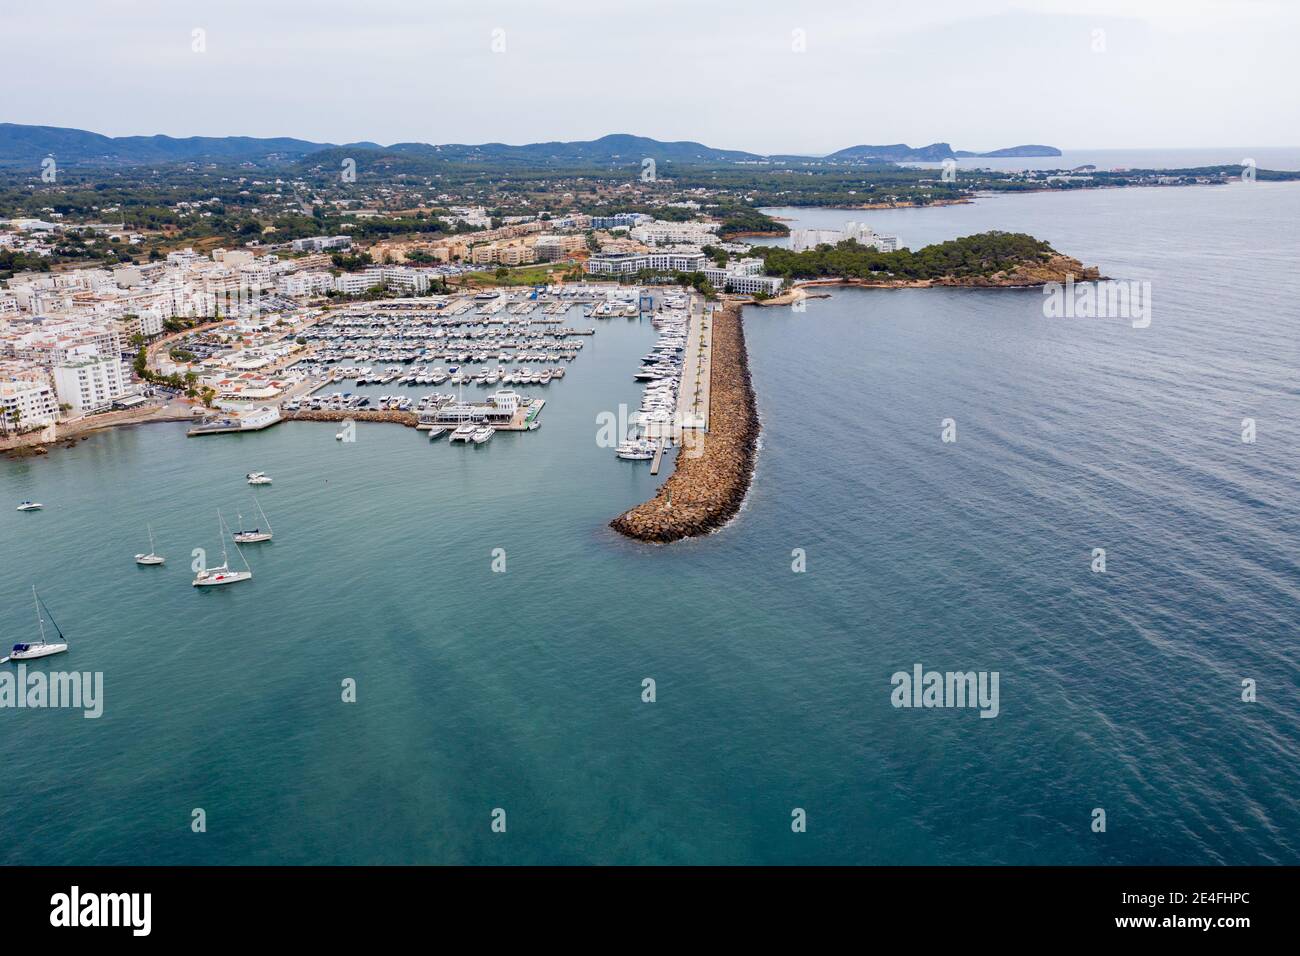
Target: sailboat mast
40, 622
58, 630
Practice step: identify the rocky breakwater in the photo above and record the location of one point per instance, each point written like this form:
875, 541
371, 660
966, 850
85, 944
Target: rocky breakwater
712, 474
409, 419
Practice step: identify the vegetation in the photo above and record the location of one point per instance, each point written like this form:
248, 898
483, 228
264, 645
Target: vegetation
980, 255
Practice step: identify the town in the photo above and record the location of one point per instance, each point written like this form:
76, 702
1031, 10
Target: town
229, 335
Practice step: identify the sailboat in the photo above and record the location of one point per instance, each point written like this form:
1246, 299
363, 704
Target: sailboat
257, 534
153, 557
40, 648
222, 574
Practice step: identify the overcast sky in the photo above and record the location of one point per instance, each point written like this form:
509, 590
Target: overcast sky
977, 74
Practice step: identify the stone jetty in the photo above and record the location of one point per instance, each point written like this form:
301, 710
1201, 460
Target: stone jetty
409, 419
708, 484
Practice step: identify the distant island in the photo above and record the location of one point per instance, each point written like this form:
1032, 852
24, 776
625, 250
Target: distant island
1012, 151
934, 153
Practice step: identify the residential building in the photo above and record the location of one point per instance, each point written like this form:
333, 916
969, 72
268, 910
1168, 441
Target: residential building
27, 403
89, 384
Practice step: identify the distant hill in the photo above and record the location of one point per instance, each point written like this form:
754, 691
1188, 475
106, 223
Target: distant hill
25, 144
22, 145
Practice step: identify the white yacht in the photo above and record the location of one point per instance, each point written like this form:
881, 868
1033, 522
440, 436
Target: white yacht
39, 648
436, 432
640, 449
258, 478
483, 434
463, 433
153, 557
29, 506
222, 574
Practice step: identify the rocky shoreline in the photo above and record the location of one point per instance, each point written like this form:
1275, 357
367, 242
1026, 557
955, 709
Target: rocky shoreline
68, 434
705, 491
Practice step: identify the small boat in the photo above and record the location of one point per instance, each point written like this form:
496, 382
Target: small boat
152, 557
29, 506
436, 432
257, 534
483, 434
222, 574
258, 478
30, 650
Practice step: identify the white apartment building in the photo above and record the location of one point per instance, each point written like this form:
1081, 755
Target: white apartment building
305, 283
630, 263
351, 283
744, 283
89, 384
801, 240
659, 233
147, 322
410, 280
26, 403
55, 343
317, 243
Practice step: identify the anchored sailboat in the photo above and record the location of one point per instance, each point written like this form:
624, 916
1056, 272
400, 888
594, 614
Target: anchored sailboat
42, 647
222, 574
257, 534
153, 557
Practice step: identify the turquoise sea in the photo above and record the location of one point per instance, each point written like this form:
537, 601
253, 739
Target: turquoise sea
522, 690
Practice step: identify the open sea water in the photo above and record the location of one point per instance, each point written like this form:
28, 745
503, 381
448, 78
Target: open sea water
522, 690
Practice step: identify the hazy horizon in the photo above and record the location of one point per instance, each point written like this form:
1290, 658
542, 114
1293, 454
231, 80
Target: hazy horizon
978, 74
1067, 149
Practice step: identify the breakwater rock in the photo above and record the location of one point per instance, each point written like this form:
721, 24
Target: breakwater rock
712, 476
409, 419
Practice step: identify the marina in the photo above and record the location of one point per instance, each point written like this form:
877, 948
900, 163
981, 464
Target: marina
360, 359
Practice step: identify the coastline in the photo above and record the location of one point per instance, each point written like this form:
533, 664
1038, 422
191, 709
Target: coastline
1058, 268
706, 491
66, 433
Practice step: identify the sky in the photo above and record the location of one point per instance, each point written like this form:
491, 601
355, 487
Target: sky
769, 76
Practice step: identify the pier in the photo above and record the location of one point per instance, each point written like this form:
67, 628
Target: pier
697, 374
713, 472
